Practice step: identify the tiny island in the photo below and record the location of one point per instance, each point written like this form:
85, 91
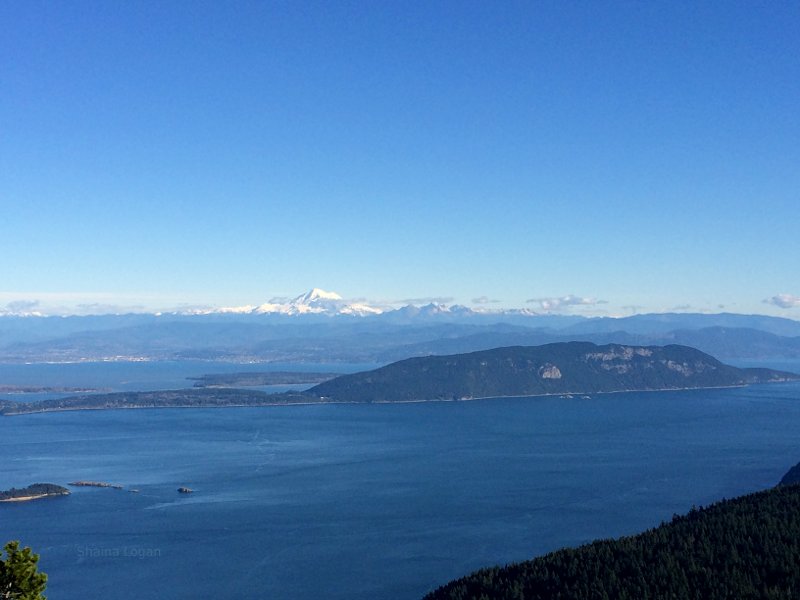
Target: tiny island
98, 484
33, 492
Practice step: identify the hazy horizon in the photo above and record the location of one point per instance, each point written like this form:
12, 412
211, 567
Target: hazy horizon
564, 306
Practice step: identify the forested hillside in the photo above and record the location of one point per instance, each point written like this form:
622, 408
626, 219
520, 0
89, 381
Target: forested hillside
748, 547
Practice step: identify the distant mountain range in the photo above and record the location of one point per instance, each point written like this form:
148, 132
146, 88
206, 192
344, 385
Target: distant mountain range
725, 342
313, 302
320, 326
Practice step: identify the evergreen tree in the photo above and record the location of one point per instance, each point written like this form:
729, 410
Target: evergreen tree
19, 577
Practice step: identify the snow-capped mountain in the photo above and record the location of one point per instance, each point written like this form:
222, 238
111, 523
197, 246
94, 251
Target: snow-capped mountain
313, 302
320, 302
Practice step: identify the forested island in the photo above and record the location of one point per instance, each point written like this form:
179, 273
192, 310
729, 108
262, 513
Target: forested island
217, 380
33, 492
562, 368
748, 547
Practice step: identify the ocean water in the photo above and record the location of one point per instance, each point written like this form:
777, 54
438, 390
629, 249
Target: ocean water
364, 502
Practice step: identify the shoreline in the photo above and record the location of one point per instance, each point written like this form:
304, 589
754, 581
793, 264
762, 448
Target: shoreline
29, 498
413, 401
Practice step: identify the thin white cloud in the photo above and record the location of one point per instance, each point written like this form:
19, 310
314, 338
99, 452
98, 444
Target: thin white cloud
425, 300
784, 301
22, 306
556, 304
484, 300
101, 308
78, 303
633, 308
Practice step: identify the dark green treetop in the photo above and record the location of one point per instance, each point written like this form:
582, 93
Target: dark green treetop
19, 575
748, 547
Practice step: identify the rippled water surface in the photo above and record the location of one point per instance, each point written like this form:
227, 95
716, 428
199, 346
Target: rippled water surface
383, 501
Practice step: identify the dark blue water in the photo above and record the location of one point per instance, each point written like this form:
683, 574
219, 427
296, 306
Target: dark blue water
365, 502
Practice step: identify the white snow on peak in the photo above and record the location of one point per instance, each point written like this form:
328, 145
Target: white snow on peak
320, 302
435, 308
360, 310
315, 301
270, 307
316, 294
21, 313
237, 309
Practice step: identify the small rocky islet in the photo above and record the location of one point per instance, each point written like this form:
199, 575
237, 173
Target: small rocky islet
36, 491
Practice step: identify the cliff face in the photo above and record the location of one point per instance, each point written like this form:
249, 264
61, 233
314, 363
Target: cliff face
561, 368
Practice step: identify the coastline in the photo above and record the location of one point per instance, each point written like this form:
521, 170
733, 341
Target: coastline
26, 498
413, 401
29, 498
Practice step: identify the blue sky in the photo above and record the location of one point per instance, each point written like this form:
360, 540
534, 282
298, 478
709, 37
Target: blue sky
646, 155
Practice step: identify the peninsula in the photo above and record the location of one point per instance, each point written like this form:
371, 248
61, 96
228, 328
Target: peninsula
33, 492
553, 369
188, 398
38, 389
233, 380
